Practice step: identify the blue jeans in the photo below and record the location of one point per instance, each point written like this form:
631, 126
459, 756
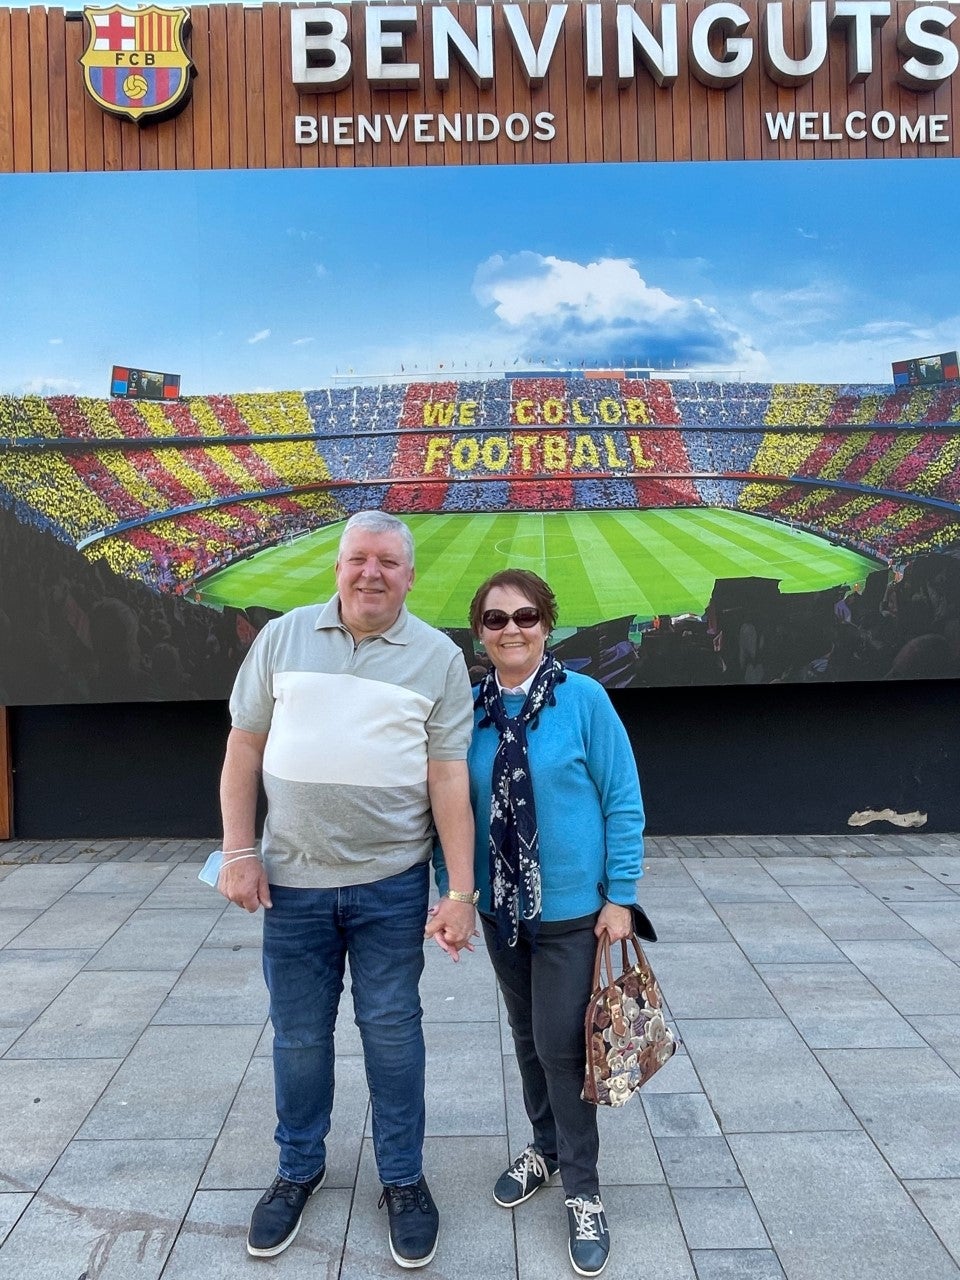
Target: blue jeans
307, 935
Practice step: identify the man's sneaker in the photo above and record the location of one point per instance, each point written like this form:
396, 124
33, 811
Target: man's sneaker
589, 1235
414, 1223
528, 1173
276, 1218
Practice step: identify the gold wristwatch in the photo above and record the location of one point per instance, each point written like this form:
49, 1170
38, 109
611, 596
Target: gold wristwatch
472, 898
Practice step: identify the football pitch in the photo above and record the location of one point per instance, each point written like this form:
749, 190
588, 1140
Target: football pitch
601, 564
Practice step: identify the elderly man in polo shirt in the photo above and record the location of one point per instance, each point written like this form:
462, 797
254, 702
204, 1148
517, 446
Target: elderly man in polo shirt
358, 716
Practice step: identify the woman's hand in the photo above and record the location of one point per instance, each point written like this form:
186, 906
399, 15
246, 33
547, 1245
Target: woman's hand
616, 920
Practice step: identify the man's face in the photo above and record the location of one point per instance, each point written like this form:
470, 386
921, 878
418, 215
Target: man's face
373, 578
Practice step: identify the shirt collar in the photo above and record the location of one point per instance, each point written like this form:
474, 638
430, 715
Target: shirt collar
328, 619
523, 688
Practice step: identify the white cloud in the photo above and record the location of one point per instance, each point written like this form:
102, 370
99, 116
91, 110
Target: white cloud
48, 386
604, 311
319, 270
301, 342
56, 342
810, 304
260, 336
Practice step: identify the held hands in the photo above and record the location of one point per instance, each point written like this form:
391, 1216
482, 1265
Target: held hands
616, 920
244, 882
452, 925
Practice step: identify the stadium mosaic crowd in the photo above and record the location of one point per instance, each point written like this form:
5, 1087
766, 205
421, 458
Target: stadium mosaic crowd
164, 493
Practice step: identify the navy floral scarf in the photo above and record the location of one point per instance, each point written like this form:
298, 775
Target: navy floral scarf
514, 842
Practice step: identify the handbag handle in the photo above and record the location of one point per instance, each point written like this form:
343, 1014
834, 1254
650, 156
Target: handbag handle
603, 960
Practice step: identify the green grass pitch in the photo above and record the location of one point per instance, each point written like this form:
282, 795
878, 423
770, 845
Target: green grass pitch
601, 564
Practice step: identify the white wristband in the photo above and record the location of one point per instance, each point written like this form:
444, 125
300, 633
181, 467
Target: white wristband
227, 861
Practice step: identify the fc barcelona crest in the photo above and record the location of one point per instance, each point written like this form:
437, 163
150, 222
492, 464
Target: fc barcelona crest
135, 63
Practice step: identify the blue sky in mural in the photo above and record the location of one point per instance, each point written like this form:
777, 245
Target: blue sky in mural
270, 280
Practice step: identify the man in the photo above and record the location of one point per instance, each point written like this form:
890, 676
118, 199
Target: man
358, 717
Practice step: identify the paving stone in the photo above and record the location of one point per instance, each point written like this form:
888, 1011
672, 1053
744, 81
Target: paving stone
719, 1218
212, 1240
245, 1154
155, 940
99, 1015
895, 879
942, 1034
946, 870
675, 1076
181, 888
109, 1210
14, 921
42, 1104
710, 980
833, 1208
736, 880
848, 914
680, 1115
833, 1006
39, 887
908, 1100
462, 992
806, 871
938, 922
177, 1082
30, 980
123, 877
70, 922
759, 1076
776, 931
664, 873
476, 1236
12, 1204
236, 928
698, 1162
737, 1264
628, 1155
643, 1227
913, 976
218, 986
466, 1096
939, 1201
683, 915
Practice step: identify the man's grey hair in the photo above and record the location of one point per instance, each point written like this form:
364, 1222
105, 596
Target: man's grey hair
379, 522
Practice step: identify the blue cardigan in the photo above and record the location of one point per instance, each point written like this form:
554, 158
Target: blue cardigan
589, 810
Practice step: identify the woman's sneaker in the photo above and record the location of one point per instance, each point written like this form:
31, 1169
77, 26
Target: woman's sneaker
528, 1173
414, 1223
589, 1235
276, 1217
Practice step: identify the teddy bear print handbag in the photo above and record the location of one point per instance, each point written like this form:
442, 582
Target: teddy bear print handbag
627, 1037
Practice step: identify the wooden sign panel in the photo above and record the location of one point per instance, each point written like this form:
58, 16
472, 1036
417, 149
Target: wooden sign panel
464, 84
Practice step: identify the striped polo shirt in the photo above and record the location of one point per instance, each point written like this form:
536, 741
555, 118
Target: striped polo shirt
350, 730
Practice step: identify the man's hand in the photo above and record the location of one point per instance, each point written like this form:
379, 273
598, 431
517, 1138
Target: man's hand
452, 925
244, 882
616, 920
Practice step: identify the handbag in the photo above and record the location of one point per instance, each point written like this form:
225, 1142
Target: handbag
627, 1037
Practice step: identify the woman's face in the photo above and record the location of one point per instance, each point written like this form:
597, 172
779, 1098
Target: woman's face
516, 652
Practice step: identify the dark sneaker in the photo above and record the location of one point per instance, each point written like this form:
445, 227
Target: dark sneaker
414, 1223
589, 1235
528, 1173
276, 1218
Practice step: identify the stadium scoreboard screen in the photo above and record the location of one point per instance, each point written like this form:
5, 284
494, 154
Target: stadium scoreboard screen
141, 384
926, 370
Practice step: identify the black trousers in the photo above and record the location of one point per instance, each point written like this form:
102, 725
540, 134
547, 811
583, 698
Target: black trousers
546, 992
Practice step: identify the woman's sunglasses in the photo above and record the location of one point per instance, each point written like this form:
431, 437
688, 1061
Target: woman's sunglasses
496, 619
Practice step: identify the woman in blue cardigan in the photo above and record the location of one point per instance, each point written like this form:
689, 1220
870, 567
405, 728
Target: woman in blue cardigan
559, 847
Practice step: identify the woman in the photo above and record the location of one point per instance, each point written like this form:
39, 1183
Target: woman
559, 843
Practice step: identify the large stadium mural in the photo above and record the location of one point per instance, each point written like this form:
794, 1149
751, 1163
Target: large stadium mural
667, 389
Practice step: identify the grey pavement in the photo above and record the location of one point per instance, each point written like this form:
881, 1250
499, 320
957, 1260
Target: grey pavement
808, 1128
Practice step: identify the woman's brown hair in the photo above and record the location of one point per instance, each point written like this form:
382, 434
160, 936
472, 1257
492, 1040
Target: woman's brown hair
528, 584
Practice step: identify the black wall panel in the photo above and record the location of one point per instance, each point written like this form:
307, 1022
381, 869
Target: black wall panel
738, 760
